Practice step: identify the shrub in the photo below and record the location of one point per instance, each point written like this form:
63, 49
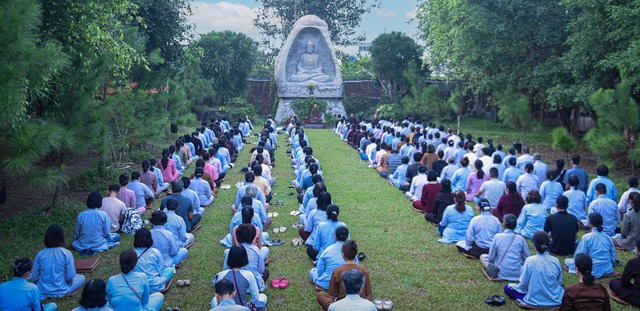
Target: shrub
302, 107
562, 140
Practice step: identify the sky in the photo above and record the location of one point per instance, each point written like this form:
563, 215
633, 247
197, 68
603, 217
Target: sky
238, 15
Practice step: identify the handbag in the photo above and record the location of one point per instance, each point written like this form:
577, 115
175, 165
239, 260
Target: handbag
495, 269
251, 306
130, 287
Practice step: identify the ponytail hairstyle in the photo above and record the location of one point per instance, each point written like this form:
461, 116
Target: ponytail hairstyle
145, 165
541, 241
21, 267
128, 260
152, 163
333, 211
247, 214
165, 159
584, 264
479, 172
460, 199
596, 221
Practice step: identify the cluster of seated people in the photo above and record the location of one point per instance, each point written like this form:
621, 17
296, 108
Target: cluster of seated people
517, 197
148, 268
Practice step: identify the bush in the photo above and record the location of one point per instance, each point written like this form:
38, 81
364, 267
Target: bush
562, 140
361, 107
137, 155
302, 107
238, 107
96, 178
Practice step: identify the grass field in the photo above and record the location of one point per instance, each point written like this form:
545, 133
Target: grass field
405, 261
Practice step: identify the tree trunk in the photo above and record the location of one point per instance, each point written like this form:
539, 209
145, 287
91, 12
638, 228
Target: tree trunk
478, 107
575, 126
56, 194
524, 135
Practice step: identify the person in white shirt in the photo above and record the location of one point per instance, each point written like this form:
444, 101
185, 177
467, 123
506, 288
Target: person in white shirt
493, 188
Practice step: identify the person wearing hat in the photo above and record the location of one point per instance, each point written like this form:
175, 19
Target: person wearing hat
507, 252
165, 241
201, 187
480, 232
93, 228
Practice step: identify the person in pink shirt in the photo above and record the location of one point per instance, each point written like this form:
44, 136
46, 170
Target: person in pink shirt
208, 167
168, 167
114, 208
126, 195
475, 180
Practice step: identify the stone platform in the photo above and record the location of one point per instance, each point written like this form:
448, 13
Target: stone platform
315, 125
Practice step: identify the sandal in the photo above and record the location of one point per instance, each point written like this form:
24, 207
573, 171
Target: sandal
270, 215
362, 256
298, 225
283, 229
387, 304
277, 242
274, 215
275, 283
276, 230
284, 283
292, 213
378, 303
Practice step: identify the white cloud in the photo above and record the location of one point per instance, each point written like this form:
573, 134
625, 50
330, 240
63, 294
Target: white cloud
384, 13
224, 16
411, 14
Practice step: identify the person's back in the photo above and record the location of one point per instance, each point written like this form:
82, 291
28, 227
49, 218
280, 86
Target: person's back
583, 297
543, 275
550, 190
165, 242
601, 249
563, 228
115, 209
609, 211
53, 267
455, 223
121, 295
20, 295
354, 282
151, 263
92, 229
508, 252
185, 206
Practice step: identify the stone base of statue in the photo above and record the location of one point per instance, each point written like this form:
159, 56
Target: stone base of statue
314, 124
334, 108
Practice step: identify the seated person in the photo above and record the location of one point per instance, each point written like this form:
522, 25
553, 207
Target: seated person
94, 297
577, 202
325, 233
630, 232
150, 261
429, 192
144, 195
93, 228
126, 195
480, 232
185, 208
329, 260
191, 195
455, 220
246, 234
599, 247
129, 290
54, 271
550, 190
336, 287
201, 187
623, 287
165, 241
586, 295
540, 283
161, 184
168, 167
175, 224
563, 228
248, 218
114, 208
533, 215
19, 294
233, 284
150, 178
607, 208
353, 281
509, 203
237, 220
507, 253
399, 177
315, 218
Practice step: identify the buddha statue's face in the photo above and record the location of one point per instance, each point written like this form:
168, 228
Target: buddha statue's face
310, 47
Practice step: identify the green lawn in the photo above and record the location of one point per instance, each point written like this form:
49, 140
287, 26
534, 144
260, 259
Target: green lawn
405, 261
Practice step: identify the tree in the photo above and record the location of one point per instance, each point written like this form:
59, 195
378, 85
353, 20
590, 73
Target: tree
276, 18
356, 67
391, 54
514, 110
426, 100
227, 59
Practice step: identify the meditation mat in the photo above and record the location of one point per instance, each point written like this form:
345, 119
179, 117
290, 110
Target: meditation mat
86, 265
196, 228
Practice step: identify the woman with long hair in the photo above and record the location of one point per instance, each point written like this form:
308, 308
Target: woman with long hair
440, 202
455, 220
475, 181
586, 295
168, 167
599, 246
509, 203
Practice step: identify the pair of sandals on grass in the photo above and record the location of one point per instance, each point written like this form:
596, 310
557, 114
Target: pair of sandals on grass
383, 304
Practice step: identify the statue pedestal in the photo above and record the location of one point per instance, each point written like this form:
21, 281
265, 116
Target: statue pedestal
334, 107
314, 125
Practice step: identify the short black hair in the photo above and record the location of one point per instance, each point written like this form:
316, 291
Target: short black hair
573, 180
353, 280
94, 200
143, 238
177, 185
602, 170
237, 257
186, 182
225, 287
575, 159
249, 177
562, 202
94, 294
633, 182
601, 188
245, 233
342, 233
158, 218
54, 237
135, 175
172, 204
123, 179
114, 188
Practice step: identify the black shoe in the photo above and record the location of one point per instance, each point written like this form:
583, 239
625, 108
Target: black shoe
495, 300
362, 256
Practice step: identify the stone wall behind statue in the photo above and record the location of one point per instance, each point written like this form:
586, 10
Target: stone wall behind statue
264, 96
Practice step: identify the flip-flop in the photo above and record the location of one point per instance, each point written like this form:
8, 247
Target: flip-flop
277, 242
292, 213
295, 242
274, 215
225, 187
387, 304
283, 229
284, 283
275, 283
378, 304
270, 215
276, 230
298, 225
362, 256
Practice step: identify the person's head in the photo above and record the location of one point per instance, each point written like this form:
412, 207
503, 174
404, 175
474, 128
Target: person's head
313, 169
54, 237
602, 170
432, 176
536, 157
534, 197
225, 289
573, 181
575, 160
484, 205
94, 294
464, 162
158, 218
128, 260
601, 189
135, 175
349, 250
186, 182
145, 165
479, 172
142, 238
540, 241
562, 203
237, 257
596, 221
21, 267
123, 179
94, 200
445, 186
634, 201
497, 159
417, 157
559, 164
510, 221
493, 172
172, 204
249, 177
459, 199
323, 201
246, 233
113, 190
486, 151
551, 175
512, 151
528, 168
633, 182
317, 189
342, 234
198, 172
333, 212
584, 265
405, 160
353, 280
526, 149
512, 161
247, 214
246, 201
422, 169
252, 191
512, 188
177, 186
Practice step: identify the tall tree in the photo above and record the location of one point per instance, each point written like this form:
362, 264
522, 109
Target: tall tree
391, 54
276, 18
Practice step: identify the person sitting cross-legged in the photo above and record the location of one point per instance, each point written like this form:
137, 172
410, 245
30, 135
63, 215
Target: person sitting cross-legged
586, 295
507, 253
563, 228
599, 246
533, 216
92, 233
329, 260
165, 241
94, 297
630, 232
607, 208
241, 279
225, 297
455, 220
480, 232
353, 281
129, 290
150, 261
625, 288
19, 293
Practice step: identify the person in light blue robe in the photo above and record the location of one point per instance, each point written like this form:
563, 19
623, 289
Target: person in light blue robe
399, 177
121, 287
245, 235
192, 195
512, 172
249, 177
236, 278
455, 220
20, 295
459, 179
324, 235
577, 201
150, 261
54, 271
550, 190
176, 158
599, 246
330, 259
481, 231
532, 216
202, 188
176, 225
236, 220
165, 242
315, 218
508, 251
541, 279
94, 297
611, 192
606, 207
93, 228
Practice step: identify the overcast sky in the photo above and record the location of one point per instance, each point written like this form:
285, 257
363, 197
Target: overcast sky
238, 15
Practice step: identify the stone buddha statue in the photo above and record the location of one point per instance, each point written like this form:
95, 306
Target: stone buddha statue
309, 67
315, 116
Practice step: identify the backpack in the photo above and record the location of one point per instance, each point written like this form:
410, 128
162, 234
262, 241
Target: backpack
132, 221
